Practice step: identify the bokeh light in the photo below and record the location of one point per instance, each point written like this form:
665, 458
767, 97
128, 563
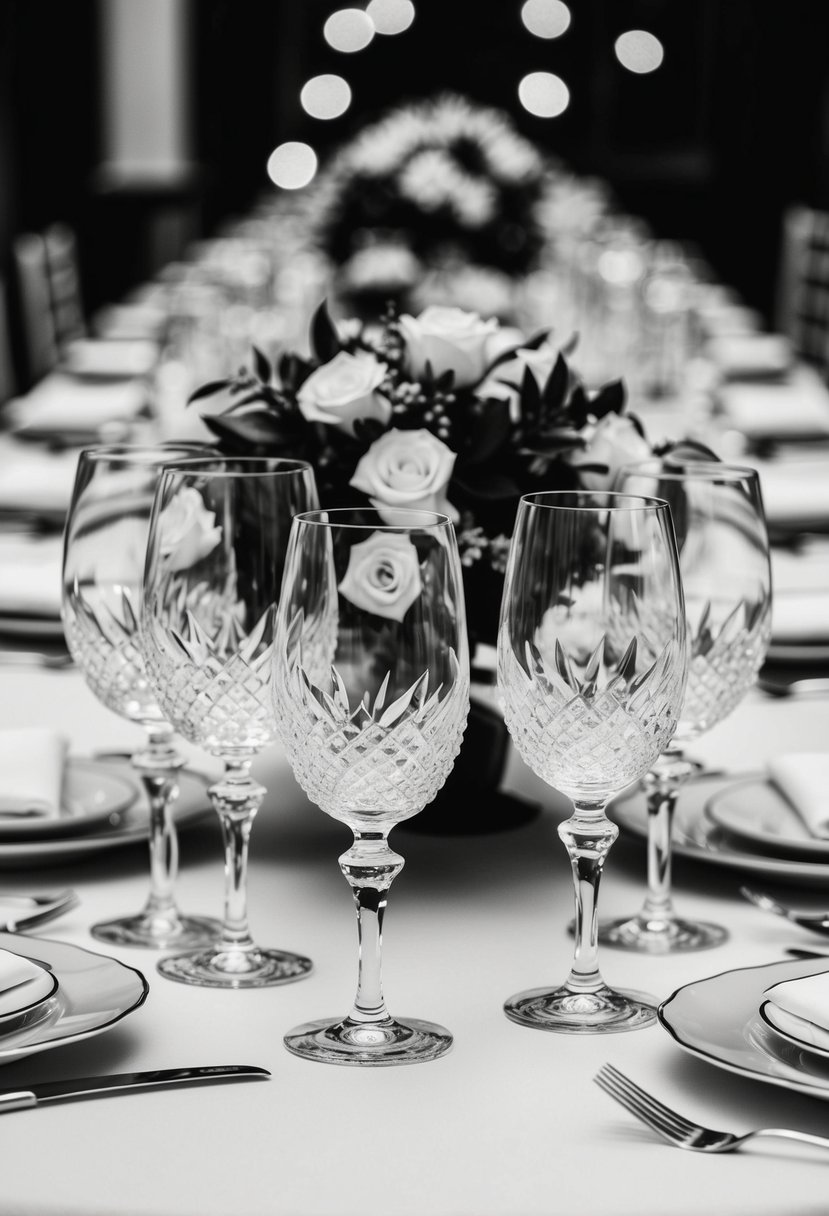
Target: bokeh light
391, 16
639, 51
348, 30
546, 18
326, 96
292, 165
544, 94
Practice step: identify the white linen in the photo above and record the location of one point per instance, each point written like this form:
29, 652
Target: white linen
30, 576
750, 356
61, 405
801, 1008
35, 481
795, 494
803, 778
111, 357
795, 407
800, 617
32, 763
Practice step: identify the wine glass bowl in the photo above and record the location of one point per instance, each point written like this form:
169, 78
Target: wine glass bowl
371, 692
591, 673
215, 555
723, 548
104, 549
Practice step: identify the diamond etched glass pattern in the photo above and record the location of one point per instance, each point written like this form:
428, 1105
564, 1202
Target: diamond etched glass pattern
215, 558
590, 738
371, 693
592, 665
359, 763
723, 544
103, 562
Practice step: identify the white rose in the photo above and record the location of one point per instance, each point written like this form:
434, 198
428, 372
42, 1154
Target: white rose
449, 339
614, 441
407, 469
344, 390
383, 575
187, 530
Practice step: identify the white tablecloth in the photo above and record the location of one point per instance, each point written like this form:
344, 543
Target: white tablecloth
509, 1123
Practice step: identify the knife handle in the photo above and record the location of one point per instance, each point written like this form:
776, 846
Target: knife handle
22, 1100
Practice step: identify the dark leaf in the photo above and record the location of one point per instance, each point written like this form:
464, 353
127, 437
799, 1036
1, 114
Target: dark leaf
530, 398
555, 388
579, 407
325, 341
207, 390
490, 433
262, 365
257, 427
610, 399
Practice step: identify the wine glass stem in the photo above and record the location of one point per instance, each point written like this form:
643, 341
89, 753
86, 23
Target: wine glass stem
157, 765
662, 785
236, 798
370, 867
587, 836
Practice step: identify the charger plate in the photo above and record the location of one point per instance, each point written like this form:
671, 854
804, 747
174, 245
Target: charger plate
698, 838
757, 812
718, 1019
94, 993
94, 797
133, 825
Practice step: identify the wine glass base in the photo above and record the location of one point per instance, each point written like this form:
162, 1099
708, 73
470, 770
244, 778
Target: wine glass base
349, 1042
568, 1012
243, 968
159, 932
650, 936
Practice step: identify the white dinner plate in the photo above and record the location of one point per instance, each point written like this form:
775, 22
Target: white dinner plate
698, 838
757, 812
718, 1019
106, 358
191, 805
95, 797
94, 993
770, 1016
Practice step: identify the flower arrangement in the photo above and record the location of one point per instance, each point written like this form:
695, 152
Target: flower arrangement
446, 411
435, 181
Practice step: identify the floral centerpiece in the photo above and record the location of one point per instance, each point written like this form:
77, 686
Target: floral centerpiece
440, 183
444, 410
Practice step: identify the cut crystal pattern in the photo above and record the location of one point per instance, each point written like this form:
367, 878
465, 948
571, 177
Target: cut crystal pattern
590, 735
368, 762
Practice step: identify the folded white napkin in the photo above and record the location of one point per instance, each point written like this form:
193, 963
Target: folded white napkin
803, 779
61, 405
801, 1008
800, 617
111, 357
35, 480
130, 321
30, 576
793, 408
32, 762
750, 355
16, 971
795, 493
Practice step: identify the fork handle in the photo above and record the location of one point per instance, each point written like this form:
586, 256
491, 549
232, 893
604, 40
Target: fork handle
786, 1133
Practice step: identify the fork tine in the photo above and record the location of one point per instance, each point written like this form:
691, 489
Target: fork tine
640, 1096
635, 1109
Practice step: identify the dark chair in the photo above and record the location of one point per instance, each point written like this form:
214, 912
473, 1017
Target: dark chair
64, 272
36, 336
802, 306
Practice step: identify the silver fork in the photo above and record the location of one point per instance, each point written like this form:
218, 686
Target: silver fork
21, 912
678, 1130
818, 922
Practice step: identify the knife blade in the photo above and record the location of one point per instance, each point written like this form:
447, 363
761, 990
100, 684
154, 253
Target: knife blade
91, 1087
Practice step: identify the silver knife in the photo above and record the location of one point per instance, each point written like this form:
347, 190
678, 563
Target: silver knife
90, 1087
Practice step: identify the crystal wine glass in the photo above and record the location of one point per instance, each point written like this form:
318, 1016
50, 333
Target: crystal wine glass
218, 537
105, 541
371, 691
723, 546
591, 672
